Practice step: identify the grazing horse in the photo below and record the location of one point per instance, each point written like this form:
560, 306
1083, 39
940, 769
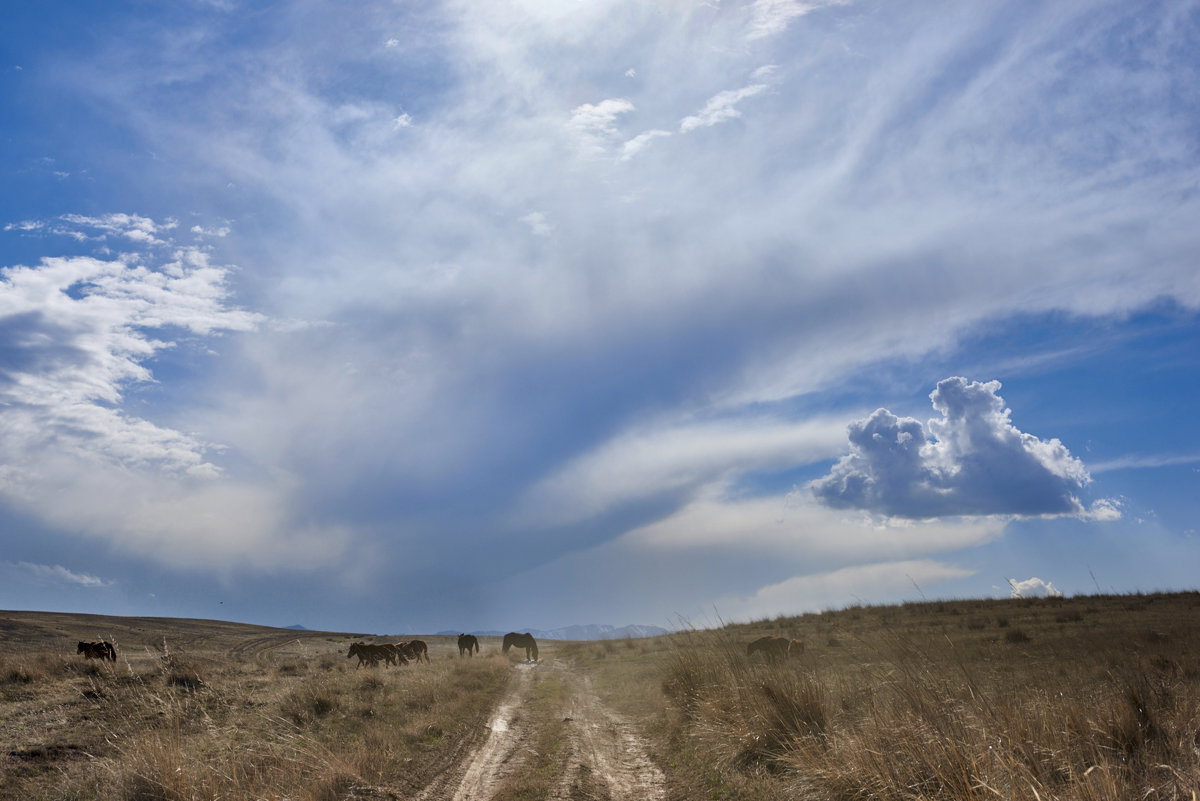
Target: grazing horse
413, 649
775, 648
97, 650
525, 641
371, 654
467, 644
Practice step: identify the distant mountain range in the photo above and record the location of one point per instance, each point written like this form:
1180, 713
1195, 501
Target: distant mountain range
594, 631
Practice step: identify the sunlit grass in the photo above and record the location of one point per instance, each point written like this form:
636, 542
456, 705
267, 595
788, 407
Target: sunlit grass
1087, 698
172, 725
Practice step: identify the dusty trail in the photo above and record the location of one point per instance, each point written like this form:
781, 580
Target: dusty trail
602, 758
606, 750
492, 755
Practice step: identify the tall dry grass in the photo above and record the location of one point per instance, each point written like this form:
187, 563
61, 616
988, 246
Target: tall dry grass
170, 725
927, 704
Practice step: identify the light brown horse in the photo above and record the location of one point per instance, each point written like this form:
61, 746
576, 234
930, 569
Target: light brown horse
467, 644
525, 641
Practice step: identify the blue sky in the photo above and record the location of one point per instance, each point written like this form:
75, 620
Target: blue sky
422, 316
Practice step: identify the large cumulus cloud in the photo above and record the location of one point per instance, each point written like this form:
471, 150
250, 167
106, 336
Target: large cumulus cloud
970, 461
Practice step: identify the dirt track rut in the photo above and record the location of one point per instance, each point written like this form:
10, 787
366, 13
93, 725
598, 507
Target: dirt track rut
603, 757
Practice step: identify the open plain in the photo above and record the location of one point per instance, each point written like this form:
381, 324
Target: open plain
1092, 697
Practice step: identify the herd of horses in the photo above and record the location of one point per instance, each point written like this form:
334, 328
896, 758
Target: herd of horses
390, 653
401, 653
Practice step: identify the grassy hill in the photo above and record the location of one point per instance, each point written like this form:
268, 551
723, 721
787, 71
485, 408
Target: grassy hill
1084, 698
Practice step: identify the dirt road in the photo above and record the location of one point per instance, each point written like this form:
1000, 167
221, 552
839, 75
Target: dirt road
599, 756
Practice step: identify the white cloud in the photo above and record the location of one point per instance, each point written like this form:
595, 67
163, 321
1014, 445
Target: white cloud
79, 335
57, 574
1142, 462
971, 461
594, 125
793, 524
76, 335
1033, 588
639, 143
660, 459
771, 17
220, 231
25, 226
720, 108
134, 227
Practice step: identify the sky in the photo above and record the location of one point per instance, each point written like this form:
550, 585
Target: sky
422, 316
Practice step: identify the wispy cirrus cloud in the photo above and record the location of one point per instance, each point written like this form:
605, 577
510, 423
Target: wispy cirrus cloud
771, 17
652, 461
57, 574
1143, 462
721, 107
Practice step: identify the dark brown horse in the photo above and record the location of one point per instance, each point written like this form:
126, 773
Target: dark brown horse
372, 654
467, 644
525, 641
413, 649
97, 650
775, 648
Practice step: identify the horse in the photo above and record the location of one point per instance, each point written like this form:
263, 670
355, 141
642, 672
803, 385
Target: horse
775, 647
525, 641
97, 650
413, 649
392, 652
467, 644
371, 654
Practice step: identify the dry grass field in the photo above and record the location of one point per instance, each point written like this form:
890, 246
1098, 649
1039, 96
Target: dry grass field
1082, 698
207, 710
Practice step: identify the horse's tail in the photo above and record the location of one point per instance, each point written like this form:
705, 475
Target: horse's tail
475, 643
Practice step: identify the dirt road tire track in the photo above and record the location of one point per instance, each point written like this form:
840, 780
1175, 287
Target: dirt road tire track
604, 758
493, 752
607, 752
